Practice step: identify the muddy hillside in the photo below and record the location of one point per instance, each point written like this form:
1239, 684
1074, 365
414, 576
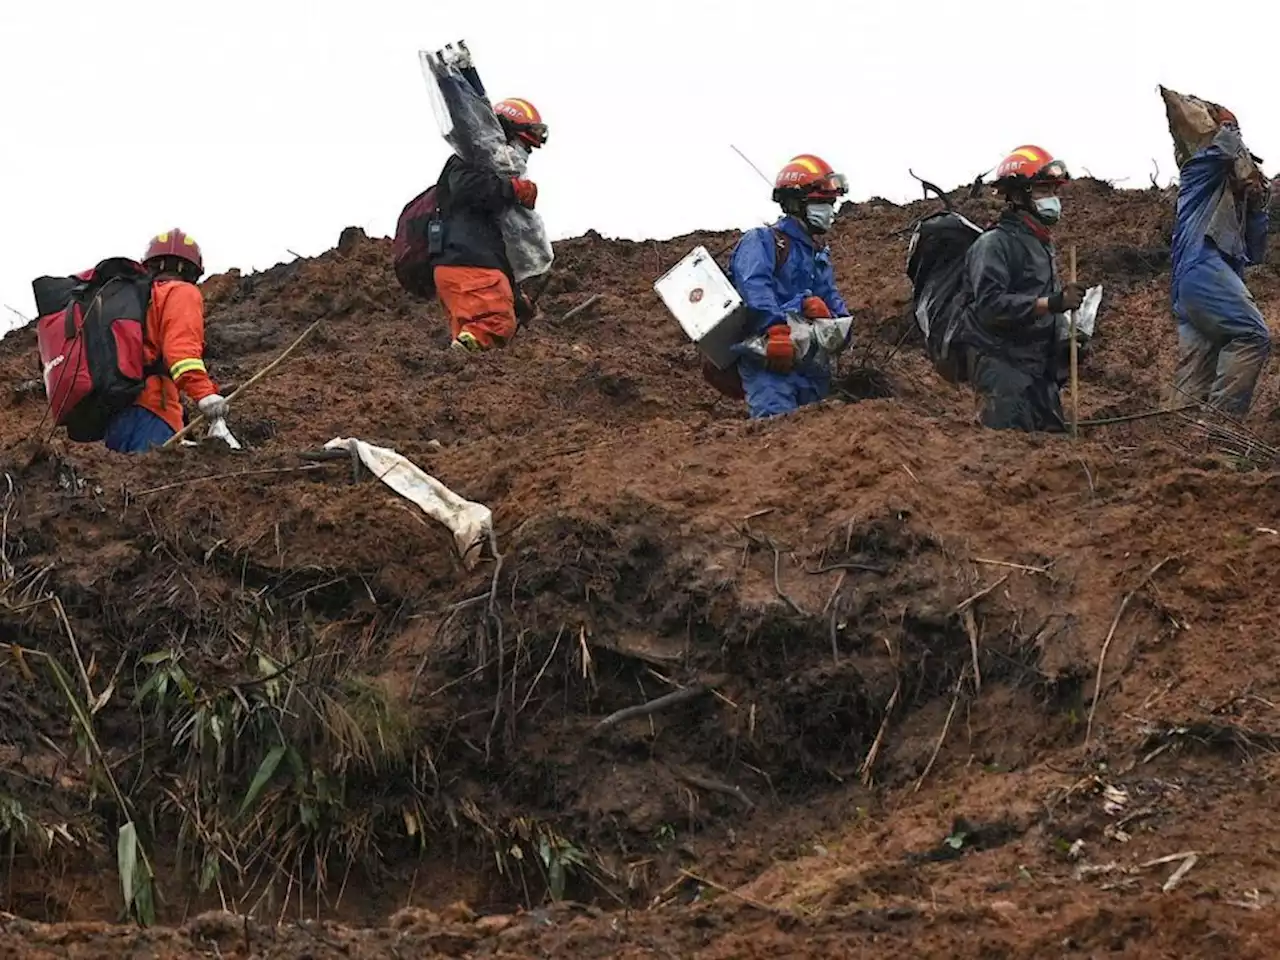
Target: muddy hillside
862, 679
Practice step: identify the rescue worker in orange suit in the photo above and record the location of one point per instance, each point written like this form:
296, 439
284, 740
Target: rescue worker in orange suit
472, 275
174, 344
785, 270
1013, 297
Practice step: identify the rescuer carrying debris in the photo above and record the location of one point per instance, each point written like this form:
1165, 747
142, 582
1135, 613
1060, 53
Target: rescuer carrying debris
1011, 298
472, 274
173, 349
1221, 227
787, 284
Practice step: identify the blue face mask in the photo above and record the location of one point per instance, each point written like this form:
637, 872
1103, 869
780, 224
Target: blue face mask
820, 216
1049, 209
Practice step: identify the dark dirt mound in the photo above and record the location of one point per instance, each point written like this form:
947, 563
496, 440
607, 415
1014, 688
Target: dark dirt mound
870, 634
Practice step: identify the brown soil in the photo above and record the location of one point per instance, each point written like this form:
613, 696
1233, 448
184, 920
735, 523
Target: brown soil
836, 781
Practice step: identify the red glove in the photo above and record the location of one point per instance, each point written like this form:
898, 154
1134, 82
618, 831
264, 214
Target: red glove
779, 352
815, 308
526, 192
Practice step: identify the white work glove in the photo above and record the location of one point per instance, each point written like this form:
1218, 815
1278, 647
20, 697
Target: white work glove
213, 407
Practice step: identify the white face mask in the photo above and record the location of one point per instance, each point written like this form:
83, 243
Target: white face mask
1049, 209
820, 216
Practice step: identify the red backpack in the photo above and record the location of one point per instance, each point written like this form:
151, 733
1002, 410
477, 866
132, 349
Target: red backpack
90, 334
418, 237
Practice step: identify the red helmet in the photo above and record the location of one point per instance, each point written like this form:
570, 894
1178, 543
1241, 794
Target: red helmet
1030, 164
523, 119
175, 243
808, 177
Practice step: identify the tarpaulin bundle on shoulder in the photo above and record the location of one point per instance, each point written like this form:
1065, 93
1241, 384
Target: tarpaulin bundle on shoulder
468, 124
1193, 123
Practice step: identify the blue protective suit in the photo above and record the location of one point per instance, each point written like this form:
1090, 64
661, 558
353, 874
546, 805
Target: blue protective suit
136, 430
1222, 337
770, 294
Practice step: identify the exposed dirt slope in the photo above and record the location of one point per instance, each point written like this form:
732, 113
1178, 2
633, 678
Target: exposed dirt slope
883, 624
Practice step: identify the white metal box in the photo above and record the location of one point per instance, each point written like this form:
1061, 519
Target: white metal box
705, 304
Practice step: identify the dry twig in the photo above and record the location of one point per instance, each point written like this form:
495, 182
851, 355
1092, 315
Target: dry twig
971, 627
1130, 418
716, 786
536, 680
199, 418
832, 567
1012, 566
653, 706
1106, 644
777, 581
720, 888
965, 604
1183, 869
946, 726
494, 616
868, 765
570, 314
225, 476
777, 563
844, 574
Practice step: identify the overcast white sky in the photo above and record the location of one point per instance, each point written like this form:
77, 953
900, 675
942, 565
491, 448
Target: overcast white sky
269, 126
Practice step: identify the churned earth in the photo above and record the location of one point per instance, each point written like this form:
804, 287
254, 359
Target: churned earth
914, 686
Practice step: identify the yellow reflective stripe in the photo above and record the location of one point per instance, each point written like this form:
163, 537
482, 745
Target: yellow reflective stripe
186, 366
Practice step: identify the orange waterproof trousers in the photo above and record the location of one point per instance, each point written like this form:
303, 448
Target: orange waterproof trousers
480, 302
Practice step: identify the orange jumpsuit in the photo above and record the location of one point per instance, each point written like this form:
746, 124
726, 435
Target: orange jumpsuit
480, 301
175, 336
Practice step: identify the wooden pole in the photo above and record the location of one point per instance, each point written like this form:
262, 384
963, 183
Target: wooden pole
199, 418
1075, 362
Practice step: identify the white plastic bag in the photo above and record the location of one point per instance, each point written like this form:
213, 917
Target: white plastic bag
468, 124
218, 430
470, 523
815, 341
1086, 317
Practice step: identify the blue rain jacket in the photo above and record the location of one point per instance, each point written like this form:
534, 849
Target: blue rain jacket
770, 294
807, 273
1210, 222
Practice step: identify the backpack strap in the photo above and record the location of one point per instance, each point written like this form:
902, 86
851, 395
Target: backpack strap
157, 367
781, 250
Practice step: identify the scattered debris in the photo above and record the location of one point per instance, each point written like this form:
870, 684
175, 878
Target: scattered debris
1114, 800
1160, 861
1176, 877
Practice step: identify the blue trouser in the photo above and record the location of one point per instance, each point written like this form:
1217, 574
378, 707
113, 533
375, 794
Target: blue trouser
770, 394
136, 430
1223, 340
